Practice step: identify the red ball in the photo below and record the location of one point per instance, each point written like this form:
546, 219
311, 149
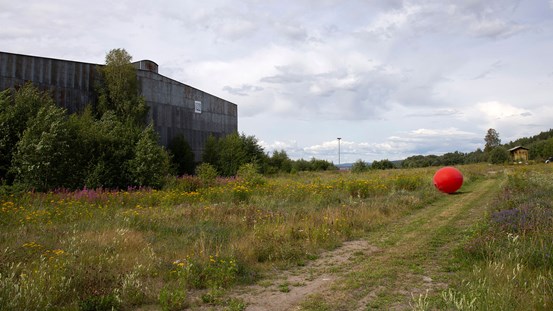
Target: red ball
448, 179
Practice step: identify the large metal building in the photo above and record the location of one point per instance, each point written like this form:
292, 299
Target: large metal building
175, 108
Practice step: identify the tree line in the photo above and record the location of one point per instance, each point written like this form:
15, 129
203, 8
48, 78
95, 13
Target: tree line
107, 145
111, 144
540, 148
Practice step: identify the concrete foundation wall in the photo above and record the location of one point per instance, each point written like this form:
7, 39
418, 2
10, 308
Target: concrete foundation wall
173, 107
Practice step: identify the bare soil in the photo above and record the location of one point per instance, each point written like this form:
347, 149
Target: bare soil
289, 288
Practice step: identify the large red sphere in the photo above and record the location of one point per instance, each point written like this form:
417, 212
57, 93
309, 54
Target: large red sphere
448, 179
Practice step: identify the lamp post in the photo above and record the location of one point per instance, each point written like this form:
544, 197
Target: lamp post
339, 138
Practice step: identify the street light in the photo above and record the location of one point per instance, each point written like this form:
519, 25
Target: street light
339, 138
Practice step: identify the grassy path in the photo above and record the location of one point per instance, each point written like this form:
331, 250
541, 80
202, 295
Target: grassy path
416, 254
391, 269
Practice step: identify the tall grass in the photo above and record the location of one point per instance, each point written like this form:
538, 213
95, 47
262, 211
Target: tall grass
102, 249
513, 253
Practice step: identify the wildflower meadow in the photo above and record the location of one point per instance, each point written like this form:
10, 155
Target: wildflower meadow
186, 244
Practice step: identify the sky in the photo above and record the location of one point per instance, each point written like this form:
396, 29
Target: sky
391, 78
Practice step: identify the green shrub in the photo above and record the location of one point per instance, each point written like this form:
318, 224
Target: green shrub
43, 156
408, 182
100, 303
382, 165
359, 166
248, 173
113, 144
15, 111
499, 155
182, 155
207, 174
173, 298
150, 165
213, 272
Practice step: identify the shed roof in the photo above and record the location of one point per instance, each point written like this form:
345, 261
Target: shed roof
517, 148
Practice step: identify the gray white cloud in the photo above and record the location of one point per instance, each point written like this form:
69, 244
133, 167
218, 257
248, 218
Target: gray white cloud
392, 77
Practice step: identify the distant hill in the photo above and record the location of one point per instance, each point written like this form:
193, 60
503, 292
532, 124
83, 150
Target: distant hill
344, 166
527, 141
540, 148
347, 166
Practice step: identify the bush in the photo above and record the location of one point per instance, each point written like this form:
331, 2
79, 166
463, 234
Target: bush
499, 155
382, 165
150, 165
43, 155
113, 145
15, 112
249, 174
359, 166
280, 162
408, 182
207, 174
182, 155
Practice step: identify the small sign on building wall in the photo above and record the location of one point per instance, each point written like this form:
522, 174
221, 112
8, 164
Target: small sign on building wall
197, 106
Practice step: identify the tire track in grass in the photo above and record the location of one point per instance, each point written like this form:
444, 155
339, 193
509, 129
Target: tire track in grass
388, 269
416, 257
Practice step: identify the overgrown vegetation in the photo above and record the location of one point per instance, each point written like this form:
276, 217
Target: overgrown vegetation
511, 257
361, 166
227, 154
161, 243
107, 146
103, 249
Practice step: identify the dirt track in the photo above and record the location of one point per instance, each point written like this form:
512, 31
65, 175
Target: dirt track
388, 269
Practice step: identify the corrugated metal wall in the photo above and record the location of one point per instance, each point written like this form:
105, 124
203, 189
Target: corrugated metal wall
70, 83
172, 104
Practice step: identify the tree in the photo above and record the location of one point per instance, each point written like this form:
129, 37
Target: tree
499, 155
359, 166
182, 155
211, 151
301, 165
254, 153
452, 158
232, 155
382, 165
228, 153
476, 156
7, 138
492, 140
280, 162
150, 165
43, 156
16, 109
118, 90
114, 142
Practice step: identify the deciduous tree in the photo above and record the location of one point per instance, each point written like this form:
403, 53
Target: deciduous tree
492, 140
43, 154
118, 89
182, 155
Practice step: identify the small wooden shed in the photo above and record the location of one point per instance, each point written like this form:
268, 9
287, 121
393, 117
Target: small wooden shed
519, 154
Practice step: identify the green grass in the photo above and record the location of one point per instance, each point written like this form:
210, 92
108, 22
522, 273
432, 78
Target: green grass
141, 248
510, 253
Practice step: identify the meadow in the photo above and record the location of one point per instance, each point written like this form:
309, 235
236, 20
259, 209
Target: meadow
186, 245
509, 259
